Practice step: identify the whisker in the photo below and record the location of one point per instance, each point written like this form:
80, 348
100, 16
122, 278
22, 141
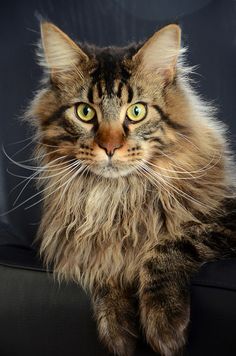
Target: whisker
39, 157
40, 192
30, 167
22, 149
188, 140
173, 177
45, 197
195, 171
86, 169
17, 142
33, 176
177, 190
165, 169
36, 173
42, 170
154, 182
40, 178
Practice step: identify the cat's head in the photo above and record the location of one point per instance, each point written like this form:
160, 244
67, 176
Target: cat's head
113, 109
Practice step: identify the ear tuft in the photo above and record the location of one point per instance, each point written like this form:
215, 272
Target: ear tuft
60, 53
159, 53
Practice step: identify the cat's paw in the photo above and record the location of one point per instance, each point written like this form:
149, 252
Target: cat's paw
117, 333
165, 328
116, 315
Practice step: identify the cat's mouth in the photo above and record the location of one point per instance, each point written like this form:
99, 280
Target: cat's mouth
110, 169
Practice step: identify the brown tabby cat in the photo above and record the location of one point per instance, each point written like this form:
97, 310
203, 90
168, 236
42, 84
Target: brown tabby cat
137, 183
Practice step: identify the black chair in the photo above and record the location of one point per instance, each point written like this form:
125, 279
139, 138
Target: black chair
37, 315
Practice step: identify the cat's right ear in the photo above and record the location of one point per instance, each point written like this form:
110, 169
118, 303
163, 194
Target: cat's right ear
59, 52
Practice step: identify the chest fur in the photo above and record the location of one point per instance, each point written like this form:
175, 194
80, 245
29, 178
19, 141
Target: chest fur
104, 231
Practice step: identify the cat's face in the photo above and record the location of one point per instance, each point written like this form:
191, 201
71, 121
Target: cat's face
108, 107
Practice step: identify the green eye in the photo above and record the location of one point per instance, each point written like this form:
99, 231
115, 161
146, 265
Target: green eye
85, 112
136, 112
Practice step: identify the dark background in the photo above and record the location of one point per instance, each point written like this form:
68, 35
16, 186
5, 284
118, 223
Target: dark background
209, 31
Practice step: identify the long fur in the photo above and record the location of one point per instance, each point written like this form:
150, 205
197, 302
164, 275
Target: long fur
100, 230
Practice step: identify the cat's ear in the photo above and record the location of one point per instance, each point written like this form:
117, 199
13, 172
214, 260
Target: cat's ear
60, 53
159, 53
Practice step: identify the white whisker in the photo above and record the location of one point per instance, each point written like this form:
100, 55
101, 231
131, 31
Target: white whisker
17, 142
39, 157
195, 171
22, 149
158, 184
175, 189
173, 171
45, 197
33, 168
188, 140
41, 178
28, 199
38, 172
86, 169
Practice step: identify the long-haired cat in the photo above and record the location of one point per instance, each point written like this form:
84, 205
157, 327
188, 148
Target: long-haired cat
137, 182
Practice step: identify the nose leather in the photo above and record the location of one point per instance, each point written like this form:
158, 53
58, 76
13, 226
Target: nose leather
110, 137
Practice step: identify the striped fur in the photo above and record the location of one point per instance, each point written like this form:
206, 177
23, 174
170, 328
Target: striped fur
132, 228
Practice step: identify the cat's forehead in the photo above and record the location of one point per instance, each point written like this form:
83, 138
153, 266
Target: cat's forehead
111, 70
109, 79
75, 68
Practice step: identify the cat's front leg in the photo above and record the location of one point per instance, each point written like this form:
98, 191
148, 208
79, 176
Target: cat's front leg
116, 314
164, 295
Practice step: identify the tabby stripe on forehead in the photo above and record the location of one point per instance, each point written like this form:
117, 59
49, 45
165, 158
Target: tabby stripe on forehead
99, 89
90, 95
119, 91
125, 75
130, 93
167, 119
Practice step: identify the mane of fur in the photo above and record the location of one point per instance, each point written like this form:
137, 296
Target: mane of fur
100, 228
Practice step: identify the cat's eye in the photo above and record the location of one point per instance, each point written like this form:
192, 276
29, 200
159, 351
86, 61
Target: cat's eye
136, 112
85, 112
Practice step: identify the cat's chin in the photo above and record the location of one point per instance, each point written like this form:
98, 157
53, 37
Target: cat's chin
112, 171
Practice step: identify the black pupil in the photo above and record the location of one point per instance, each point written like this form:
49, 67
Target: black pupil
86, 110
136, 110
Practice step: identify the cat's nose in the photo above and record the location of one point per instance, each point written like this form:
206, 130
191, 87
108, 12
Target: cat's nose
110, 137
110, 147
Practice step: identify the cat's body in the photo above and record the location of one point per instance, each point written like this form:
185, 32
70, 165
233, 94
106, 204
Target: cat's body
138, 187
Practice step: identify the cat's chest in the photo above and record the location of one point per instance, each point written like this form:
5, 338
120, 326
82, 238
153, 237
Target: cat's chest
117, 260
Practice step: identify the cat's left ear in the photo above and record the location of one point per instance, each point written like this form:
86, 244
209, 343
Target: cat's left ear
159, 53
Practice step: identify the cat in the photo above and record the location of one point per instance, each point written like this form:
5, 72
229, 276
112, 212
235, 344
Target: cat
137, 180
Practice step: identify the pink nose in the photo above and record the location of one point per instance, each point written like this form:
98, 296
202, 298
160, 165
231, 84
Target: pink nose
110, 137
110, 147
